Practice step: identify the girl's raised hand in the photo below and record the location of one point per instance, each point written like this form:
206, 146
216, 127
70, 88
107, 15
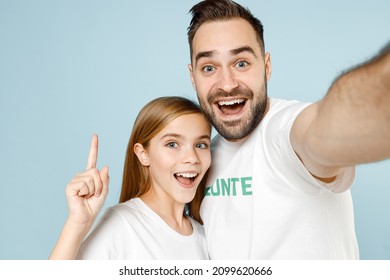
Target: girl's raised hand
87, 191
85, 194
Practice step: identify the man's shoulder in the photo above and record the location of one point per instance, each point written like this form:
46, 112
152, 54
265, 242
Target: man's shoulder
283, 111
277, 104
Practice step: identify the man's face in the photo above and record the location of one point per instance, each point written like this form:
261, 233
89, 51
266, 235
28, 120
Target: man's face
229, 74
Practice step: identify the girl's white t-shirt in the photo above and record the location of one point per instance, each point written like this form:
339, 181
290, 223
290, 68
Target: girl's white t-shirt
133, 231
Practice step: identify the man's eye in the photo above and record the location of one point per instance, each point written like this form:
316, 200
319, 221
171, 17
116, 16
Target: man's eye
208, 68
172, 145
241, 64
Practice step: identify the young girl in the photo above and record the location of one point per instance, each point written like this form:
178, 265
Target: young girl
158, 215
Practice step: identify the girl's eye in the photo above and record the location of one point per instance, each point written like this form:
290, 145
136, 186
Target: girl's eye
172, 145
202, 146
241, 64
208, 68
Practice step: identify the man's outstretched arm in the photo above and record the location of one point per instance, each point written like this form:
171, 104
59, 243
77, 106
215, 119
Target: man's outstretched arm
351, 124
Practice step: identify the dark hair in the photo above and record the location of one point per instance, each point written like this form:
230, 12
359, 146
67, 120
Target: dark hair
221, 10
153, 117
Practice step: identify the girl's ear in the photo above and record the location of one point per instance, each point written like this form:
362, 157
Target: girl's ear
142, 154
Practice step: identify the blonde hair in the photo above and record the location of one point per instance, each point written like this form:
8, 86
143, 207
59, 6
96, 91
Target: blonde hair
153, 117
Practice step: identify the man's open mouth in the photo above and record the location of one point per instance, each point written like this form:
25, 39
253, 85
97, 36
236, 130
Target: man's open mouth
231, 107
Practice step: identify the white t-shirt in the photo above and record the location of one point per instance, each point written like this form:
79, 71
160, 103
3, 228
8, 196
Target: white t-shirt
262, 203
133, 231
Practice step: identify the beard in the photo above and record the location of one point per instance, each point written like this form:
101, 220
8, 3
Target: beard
237, 129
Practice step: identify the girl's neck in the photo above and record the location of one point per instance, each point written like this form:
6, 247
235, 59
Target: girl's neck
170, 211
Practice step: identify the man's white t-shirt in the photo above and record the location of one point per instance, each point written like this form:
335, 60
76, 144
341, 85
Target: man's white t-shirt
262, 203
133, 231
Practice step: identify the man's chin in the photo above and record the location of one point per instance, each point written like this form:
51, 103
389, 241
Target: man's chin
232, 132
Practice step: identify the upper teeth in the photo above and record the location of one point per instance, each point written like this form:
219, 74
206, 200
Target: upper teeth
230, 102
187, 175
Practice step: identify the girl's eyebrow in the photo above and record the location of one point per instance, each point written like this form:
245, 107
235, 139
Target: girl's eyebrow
204, 137
175, 135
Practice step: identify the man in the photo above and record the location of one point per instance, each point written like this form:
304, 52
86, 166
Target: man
279, 183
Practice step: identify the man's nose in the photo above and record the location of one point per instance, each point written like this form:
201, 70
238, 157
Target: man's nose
227, 80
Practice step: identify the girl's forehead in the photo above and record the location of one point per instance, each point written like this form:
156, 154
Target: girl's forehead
192, 125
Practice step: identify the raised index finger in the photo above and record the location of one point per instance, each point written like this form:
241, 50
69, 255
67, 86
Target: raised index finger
93, 153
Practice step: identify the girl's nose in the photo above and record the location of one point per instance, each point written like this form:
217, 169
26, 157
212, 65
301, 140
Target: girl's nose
191, 156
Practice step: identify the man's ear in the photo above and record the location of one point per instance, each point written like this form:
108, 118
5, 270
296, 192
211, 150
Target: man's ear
268, 65
192, 76
141, 154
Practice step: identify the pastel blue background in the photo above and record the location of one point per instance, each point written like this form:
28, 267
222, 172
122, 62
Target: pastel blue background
72, 68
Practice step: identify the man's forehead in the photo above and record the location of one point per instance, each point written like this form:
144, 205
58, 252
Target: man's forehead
224, 36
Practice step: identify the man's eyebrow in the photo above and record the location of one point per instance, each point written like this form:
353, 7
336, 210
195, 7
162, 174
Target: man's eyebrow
243, 49
203, 54
233, 52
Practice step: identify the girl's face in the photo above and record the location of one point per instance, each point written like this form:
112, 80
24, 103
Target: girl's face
178, 157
